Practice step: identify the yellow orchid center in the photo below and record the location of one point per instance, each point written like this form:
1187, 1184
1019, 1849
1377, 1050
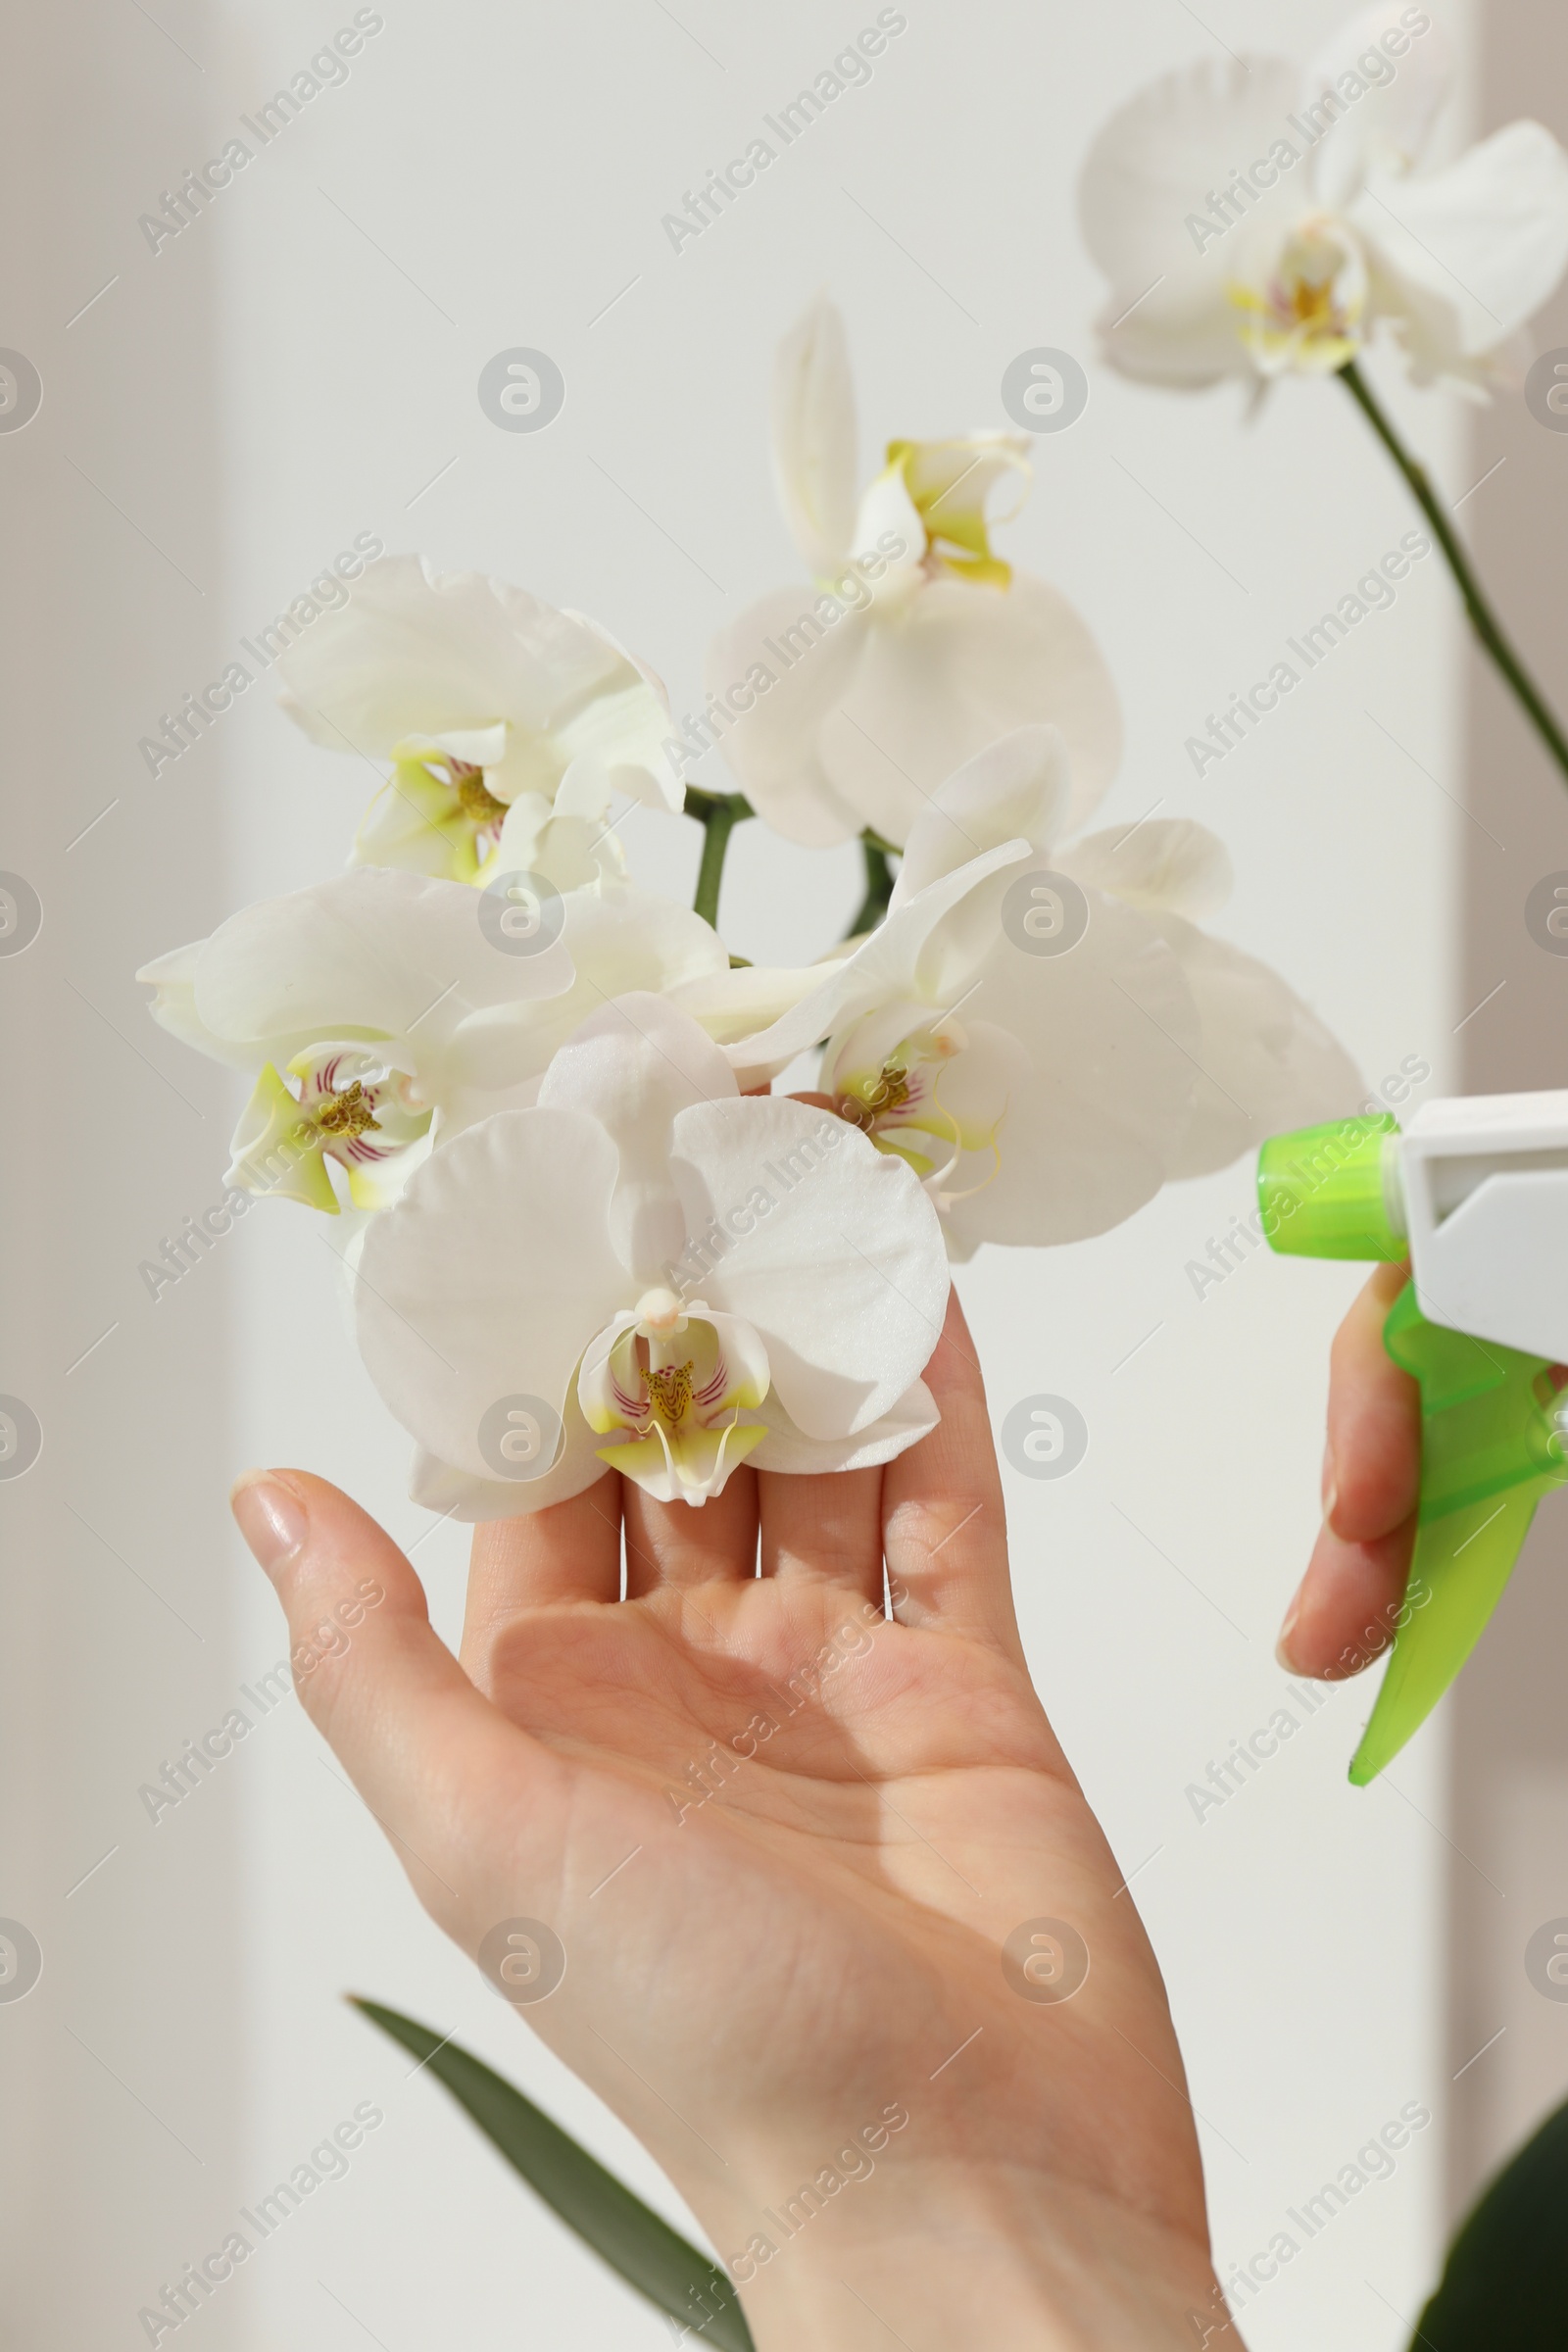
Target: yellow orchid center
474, 797
669, 1390
442, 794
349, 1113
948, 483
342, 1095
868, 1099
1307, 313
668, 1385
898, 1107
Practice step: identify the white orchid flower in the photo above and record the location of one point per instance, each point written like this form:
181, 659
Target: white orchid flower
391, 999
1041, 1032
648, 1271
486, 700
1252, 219
844, 706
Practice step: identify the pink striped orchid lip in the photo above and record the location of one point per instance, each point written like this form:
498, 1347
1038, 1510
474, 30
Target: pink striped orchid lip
347, 1104
669, 1382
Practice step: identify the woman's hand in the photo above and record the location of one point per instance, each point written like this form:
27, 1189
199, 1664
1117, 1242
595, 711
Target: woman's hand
785, 1842
1344, 1613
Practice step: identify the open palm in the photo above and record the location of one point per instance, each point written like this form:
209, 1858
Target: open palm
807, 1893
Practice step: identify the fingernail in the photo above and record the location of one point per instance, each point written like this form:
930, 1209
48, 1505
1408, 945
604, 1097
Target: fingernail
1331, 1487
1282, 1648
270, 1517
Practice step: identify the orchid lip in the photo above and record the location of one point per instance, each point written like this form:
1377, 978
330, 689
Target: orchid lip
901, 1101
668, 1384
347, 1104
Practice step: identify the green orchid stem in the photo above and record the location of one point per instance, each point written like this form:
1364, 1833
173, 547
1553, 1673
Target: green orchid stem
719, 813
878, 883
1482, 618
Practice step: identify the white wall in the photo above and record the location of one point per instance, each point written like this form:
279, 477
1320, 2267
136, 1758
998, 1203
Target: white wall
503, 171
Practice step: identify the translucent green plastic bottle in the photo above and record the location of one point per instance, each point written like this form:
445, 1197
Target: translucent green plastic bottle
1492, 1443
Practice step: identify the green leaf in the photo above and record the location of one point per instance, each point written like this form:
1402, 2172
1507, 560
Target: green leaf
1505, 2282
621, 2228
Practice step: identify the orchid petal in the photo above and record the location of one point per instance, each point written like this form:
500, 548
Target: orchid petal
628, 737
1184, 335
173, 1007
740, 1003
1266, 1062
633, 1067
463, 1495
416, 820
956, 668
475, 747
567, 840
1163, 864
774, 749
814, 436
375, 953
845, 1345
1019, 788
1158, 157
883, 966
488, 1278
787, 1449
377, 1188
1488, 237
621, 940
1111, 1031
888, 522
1379, 133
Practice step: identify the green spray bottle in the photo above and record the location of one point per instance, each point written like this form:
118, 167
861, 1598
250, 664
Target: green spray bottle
1475, 1192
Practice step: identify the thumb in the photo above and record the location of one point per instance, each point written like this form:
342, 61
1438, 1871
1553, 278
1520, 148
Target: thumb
419, 1742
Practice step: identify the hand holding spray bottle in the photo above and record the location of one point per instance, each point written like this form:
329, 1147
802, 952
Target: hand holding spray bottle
1475, 1192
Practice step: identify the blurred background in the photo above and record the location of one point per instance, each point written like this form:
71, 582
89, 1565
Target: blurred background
223, 417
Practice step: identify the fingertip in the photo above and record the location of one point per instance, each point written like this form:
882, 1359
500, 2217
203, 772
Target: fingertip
308, 1535
954, 1362
1345, 1611
271, 1515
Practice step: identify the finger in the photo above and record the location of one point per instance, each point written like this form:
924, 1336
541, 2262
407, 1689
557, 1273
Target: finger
1372, 1472
944, 1530
824, 1530
403, 1718
829, 1529
672, 1544
571, 1552
1341, 1616
1344, 1615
